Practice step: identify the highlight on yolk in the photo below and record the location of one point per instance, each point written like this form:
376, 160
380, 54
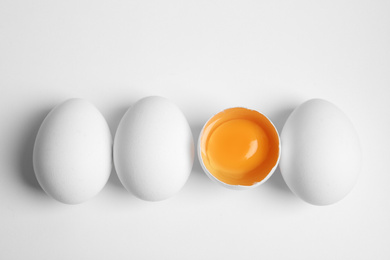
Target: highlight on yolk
239, 146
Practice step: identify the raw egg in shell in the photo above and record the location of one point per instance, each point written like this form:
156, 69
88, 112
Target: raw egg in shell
239, 148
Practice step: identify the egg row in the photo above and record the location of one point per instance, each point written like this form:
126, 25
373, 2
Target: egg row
153, 151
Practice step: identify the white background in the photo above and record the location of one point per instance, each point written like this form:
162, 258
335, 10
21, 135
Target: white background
205, 56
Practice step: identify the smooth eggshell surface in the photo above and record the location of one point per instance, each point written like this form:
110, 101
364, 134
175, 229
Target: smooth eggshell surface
73, 152
153, 149
320, 153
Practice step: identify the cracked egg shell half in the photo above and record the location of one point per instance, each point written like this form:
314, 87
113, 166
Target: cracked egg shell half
239, 148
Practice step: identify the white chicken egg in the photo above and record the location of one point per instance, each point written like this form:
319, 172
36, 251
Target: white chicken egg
73, 152
153, 149
321, 154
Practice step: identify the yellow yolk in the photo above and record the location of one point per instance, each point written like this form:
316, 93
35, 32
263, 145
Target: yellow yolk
239, 146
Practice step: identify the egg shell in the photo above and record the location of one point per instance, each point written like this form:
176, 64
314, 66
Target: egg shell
237, 187
321, 155
153, 149
72, 154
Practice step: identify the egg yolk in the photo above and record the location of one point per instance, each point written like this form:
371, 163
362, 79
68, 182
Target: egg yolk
239, 146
